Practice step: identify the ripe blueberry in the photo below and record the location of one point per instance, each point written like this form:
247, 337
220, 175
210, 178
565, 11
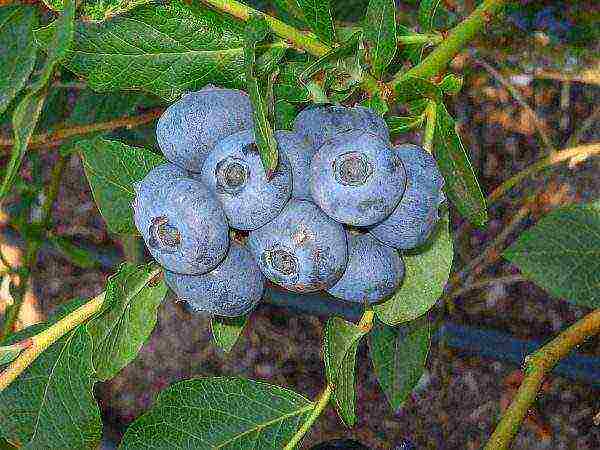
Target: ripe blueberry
415, 217
181, 222
190, 127
234, 172
357, 178
302, 249
319, 124
373, 273
232, 289
299, 153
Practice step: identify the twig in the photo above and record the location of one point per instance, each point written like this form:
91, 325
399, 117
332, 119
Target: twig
539, 124
508, 279
33, 247
457, 38
55, 138
365, 323
563, 155
536, 368
584, 127
46, 338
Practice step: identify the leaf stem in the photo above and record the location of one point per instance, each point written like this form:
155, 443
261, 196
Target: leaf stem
309, 422
43, 340
55, 138
536, 368
458, 37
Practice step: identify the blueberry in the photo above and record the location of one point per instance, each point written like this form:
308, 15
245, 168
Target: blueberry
357, 178
234, 172
319, 124
302, 249
373, 273
340, 444
405, 444
299, 153
190, 128
232, 289
416, 215
181, 222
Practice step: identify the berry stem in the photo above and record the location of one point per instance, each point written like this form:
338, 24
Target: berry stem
536, 367
430, 115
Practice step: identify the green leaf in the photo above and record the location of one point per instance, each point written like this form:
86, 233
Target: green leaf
9, 353
285, 113
425, 278
399, 355
128, 317
412, 88
112, 168
257, 30
18, 50
461, 186
399, 124
561, 253
287, 86
227, 330
28, 111
98, 10
219, 413
451, 84
340, 344
377, 104
166, 49
76, 255
51, 405
318, 15
426, 14
380, 34
348, 47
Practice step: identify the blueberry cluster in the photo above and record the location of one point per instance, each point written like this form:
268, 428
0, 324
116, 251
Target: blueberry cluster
334, 216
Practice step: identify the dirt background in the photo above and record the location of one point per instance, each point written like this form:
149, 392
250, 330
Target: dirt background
459, 398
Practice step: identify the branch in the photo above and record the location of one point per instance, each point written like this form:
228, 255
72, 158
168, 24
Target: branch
458, 37
46, 338
555, 158
55, 138
537, 366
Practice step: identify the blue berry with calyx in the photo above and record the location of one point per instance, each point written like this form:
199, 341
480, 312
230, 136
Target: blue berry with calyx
189, 128
299, 153
416, 216
232, 289
357, 178
181, 222
319, 124
302, 249
235, 173
374, 271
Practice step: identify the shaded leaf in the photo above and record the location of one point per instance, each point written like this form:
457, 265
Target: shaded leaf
76, 255
380, 34
18, 50
287, 86
285, 113
399, 355
347, 48
426, 14
51, 404
9, 353
427, 272
227, 330
461, 187
412, 88
166, 49
340, 345
377, 104
219, 413
561, 253
28, 110
111, 168
317, 14
256, 30
399, 124
127, 318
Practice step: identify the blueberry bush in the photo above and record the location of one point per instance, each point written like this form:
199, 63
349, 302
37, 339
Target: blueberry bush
275, 168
